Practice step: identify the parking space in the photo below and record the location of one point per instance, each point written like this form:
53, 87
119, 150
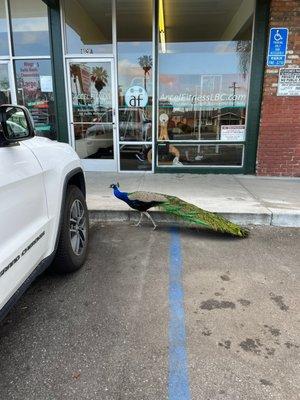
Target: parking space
168, 314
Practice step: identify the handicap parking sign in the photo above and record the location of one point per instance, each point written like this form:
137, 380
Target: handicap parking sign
277, 47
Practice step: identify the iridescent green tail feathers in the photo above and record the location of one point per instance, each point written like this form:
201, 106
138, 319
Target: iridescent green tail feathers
193, 214
143, 201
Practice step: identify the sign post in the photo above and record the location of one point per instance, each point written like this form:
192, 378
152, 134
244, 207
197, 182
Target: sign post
278, 40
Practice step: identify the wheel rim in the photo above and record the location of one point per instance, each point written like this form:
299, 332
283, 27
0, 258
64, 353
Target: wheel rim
77, 227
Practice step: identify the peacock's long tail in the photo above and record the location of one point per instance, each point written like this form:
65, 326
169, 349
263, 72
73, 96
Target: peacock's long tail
196, 215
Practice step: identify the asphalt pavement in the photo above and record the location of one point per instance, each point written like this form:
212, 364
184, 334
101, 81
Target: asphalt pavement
174, 314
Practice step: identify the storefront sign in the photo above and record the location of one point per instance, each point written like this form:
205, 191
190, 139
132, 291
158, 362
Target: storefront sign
277, 47
289, 82
31, 77
204, 100
136, 96
233, 133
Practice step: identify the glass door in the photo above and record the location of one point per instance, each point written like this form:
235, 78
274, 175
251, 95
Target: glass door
92, 112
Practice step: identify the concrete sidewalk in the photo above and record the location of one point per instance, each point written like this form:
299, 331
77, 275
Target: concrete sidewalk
242, 199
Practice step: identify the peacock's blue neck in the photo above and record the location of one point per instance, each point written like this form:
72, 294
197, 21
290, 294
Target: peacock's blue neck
120, 195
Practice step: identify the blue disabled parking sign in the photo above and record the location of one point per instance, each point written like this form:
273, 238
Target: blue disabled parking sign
277, 47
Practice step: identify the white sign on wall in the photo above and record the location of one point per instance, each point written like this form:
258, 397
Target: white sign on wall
136, 96
289, 82
233, 133
46, 83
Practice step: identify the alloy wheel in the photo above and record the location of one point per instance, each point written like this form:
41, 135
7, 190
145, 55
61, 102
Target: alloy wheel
77, 227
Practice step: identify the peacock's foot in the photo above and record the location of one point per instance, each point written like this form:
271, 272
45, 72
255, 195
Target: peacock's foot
139, 221
136, 225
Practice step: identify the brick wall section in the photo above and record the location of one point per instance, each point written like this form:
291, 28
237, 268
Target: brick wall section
279, 135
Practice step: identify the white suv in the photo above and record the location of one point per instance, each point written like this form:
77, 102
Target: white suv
43, 213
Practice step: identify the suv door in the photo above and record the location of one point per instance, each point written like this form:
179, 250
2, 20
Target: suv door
23, 217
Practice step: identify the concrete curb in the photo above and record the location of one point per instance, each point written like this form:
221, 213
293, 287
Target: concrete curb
291, 220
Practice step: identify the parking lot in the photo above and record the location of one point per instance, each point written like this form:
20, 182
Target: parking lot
169, 314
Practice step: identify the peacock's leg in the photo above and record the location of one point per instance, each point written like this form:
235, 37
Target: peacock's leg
149, 216
140, 220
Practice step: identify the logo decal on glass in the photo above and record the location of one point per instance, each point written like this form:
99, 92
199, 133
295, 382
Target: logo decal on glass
136, 96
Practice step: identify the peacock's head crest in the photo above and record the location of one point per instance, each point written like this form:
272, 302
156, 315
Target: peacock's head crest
115, 185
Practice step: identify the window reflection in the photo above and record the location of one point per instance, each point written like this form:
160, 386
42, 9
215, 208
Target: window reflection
134, 46
136, 157
92, 109
183, 155
30, 32
204, 59
94, 140
134, 124
16, 123
88, 26
3, 30
35, 91
91, 91
4, 85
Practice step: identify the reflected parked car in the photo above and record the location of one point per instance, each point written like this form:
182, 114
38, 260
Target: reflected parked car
98, 137
133, 124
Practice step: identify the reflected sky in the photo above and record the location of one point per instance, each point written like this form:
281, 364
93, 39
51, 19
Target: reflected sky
204, 58
3, 32
130, 72
30, 36
75, 45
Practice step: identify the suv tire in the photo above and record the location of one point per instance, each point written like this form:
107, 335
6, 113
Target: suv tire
73, 239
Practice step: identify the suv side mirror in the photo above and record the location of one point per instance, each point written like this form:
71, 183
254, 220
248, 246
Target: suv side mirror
16, 124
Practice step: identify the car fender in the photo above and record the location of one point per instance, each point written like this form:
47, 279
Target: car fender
60, 163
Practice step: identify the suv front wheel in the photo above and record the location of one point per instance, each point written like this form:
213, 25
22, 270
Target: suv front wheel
73, 240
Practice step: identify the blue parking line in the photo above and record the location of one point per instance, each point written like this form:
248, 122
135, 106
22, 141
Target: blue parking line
179, 388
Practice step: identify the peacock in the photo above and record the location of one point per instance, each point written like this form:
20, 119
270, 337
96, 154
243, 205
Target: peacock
143, 201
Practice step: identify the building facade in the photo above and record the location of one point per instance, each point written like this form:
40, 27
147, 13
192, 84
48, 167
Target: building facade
158, 85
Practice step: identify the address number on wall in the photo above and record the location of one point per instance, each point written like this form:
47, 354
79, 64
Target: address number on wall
86, 51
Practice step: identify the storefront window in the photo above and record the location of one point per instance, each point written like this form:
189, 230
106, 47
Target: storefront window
30, 33
135, 65
180, 155
35, 91
136, 157
88, 26
92, 109
5, 97
3, 30
203, 74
